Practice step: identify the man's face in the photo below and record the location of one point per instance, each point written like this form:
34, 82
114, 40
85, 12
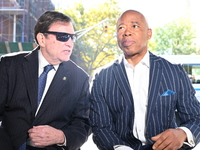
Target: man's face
133, 33
56, 51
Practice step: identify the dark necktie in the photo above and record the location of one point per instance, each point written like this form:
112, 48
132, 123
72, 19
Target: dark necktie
42, 81
22, 147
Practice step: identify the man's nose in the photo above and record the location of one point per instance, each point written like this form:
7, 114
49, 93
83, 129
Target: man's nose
127, 33
69, 43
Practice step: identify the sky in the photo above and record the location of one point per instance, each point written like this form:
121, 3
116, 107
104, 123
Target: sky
158, 12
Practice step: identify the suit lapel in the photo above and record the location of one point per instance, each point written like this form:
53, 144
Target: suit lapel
30, 70
154, 85
122, 81
60, 79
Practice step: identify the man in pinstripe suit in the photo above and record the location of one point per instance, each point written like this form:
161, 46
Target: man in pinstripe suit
60, 121
134, 99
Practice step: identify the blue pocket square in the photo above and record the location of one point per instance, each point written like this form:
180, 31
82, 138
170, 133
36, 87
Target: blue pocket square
168, 92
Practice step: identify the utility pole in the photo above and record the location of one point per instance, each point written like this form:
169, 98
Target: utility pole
82, 32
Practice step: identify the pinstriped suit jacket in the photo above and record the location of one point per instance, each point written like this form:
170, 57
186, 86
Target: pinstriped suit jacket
112, 104
65, 106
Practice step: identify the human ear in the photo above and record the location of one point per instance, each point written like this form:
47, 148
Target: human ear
149, 33
41, 39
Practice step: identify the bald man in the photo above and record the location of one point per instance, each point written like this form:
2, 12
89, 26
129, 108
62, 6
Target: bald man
135, 99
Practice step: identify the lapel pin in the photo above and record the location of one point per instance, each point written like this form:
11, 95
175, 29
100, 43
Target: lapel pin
64, 78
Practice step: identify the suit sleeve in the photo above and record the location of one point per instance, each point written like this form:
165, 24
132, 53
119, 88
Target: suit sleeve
3, 87
4, 138
188, 106
78, 130
103, 128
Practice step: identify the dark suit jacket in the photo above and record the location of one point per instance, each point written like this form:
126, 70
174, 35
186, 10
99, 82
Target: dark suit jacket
112, 104
65, 106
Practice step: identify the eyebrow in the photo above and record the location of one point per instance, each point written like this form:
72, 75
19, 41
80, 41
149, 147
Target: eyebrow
133, 22
120, 24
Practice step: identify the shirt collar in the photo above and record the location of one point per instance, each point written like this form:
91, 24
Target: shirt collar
43, 62
144, 61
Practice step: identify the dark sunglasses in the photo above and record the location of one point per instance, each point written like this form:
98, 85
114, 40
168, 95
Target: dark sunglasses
62, 36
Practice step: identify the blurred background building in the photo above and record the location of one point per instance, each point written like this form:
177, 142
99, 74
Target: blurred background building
17, 21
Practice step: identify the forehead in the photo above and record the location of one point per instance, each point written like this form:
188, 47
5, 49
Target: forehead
131, 17
61, 24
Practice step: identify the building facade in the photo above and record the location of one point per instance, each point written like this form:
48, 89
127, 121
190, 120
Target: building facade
18, 18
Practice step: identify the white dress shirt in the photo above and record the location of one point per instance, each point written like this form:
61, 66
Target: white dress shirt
139, 90
138, 77
42, 63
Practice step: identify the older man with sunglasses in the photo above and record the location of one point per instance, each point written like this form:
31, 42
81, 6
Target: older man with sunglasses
44, 95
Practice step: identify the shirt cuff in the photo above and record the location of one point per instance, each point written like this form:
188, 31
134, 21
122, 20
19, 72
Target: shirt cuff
190, 138
64, 144
122, 147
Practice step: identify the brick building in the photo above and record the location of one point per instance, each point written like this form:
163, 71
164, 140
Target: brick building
18, 17
17, 21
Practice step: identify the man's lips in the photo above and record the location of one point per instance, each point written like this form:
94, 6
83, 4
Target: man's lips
126, 43
67, 51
